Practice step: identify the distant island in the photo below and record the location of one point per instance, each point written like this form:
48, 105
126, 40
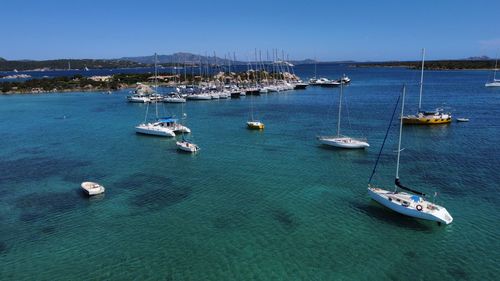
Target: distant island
64, 64
189, 59
470, 63
175, 59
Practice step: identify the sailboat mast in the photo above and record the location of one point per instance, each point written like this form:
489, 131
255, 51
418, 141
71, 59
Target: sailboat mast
421, 81
495, 71
315, 67
156, 84
340, 108
400, 130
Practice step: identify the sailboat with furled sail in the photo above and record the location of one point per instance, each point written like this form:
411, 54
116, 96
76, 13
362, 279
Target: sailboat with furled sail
185, 144
411, 204
426, 117
254, 124
495, 82
340, 140
164, 127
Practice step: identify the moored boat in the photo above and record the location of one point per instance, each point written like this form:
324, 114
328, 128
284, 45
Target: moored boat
426, 117
343, 142
138, 98
411, 204
199, 97
172, 124
495, 82
299, 85
187, 146
92, 188
339, 140
156, 129
256, 125
174, 98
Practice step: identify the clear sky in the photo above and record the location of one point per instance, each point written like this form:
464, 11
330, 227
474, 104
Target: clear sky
327, 30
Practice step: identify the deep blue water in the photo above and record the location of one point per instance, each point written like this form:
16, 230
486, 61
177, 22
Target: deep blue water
250, 205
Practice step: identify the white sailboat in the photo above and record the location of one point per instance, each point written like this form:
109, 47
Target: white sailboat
495, 82
158, 128
340, 140
174, 98
410, 204
141, 94
185, 144
200, 96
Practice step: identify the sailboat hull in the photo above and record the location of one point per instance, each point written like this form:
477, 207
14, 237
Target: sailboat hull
493, 84
255, 125
404, 203
427, 119
149, 129
343, 142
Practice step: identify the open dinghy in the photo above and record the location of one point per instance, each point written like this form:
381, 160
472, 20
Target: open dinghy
187, 146
92, 188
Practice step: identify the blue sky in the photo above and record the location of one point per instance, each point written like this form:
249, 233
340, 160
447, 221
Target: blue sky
327, 30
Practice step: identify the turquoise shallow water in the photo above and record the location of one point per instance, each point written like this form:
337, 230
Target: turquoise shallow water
270, 205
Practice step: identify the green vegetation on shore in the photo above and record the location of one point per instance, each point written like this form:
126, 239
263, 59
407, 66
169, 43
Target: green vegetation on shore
76, 82
119, 81
434, 65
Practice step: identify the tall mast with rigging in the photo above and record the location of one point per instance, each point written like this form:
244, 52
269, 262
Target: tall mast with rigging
421, 81
340, 108
400, 131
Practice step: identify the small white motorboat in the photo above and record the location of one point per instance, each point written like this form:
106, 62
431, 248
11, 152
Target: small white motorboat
174, 98
138, 98
462, 119
343, 142
92, 188
224, 95
187, 146
199, 97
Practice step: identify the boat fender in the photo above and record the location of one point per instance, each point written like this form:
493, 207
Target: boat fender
419, 208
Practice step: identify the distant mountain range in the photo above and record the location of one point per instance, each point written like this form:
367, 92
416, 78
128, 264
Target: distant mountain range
178, 58
479, 58
189, 58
